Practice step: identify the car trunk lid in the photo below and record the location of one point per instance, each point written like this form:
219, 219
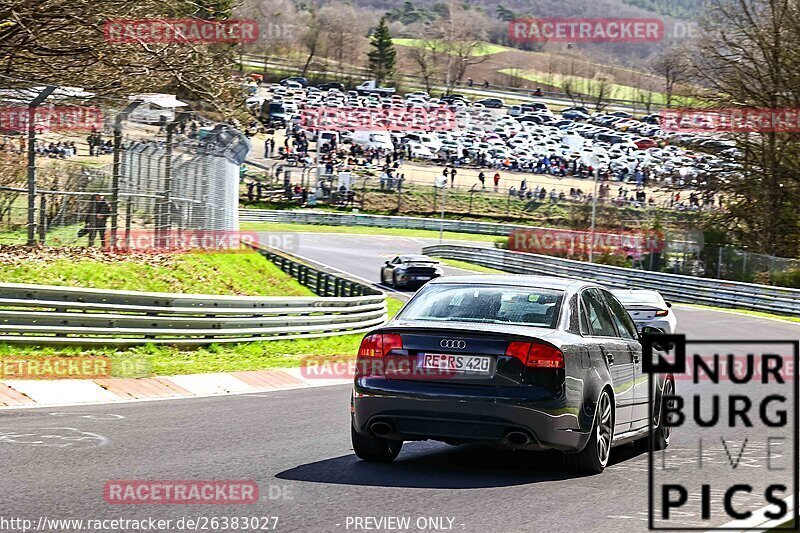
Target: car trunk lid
465, 356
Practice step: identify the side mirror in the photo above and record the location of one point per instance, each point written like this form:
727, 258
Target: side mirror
386, 263
669, 304
650, 330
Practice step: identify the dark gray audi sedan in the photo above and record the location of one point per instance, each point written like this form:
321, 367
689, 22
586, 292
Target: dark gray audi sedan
526, 362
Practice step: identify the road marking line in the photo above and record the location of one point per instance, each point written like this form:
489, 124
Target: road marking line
759, 521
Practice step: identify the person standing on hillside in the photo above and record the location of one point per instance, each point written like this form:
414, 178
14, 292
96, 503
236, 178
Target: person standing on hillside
496, 181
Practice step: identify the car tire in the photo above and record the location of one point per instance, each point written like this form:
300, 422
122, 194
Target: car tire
394, 280
374, 449
594, 457
663, 432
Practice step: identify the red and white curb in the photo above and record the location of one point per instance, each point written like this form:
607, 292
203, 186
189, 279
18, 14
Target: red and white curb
34, 393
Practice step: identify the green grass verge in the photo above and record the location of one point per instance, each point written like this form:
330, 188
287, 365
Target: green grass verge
56, 236
584, 85
470, 266
364, 230
482, 49
152, 359
245, 273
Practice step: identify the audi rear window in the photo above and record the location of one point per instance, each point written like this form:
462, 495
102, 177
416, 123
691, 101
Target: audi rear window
486, 304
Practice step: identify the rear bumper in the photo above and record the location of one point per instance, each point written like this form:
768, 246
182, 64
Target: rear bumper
409, 280
459, 414
667, 325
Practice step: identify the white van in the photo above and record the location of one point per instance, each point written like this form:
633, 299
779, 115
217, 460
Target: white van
373, 139
425, 139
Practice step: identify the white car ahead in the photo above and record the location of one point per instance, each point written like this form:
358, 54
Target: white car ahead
648, 308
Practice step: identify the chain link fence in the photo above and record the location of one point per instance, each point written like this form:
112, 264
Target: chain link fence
171, 177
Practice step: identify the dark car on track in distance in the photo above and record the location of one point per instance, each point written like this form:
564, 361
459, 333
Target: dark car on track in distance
524, 362
409, 271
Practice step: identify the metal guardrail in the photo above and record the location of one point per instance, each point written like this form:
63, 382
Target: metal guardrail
378, 221
321, 282
674, 287
44, 314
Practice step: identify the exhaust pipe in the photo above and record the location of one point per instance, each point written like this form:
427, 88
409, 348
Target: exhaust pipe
517, 438
381, 428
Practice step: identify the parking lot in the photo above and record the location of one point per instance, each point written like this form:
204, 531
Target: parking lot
531, 142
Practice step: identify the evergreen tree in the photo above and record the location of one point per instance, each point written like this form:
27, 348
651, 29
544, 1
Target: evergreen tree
383, 55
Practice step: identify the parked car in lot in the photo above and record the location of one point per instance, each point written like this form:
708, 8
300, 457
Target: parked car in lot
410, 271
273, 113
521, 136
491, 103
331, 85
303, 82
648, 308
574, 114
524, 362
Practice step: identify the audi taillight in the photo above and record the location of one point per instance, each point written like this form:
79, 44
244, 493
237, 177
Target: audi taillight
536, 354
379, 344
662, 312
373, 348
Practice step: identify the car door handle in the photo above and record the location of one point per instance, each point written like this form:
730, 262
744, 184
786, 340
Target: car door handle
636, 357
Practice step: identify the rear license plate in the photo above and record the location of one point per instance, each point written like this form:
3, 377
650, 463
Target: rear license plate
474, 364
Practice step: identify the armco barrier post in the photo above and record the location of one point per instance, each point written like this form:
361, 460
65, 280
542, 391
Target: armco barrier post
116, 168
32, 107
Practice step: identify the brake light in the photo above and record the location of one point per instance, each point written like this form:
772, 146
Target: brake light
372, 350
536, 355
662, 312
545, 356
519, 350
379, 344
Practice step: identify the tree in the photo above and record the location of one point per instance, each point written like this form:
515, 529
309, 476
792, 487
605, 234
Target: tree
747, 58
382, 57
62, 42
600, 90
312, 38
673, 67
462, 32
344, 28
426, 59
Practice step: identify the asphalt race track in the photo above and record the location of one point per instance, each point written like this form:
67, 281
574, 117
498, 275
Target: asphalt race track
296, 446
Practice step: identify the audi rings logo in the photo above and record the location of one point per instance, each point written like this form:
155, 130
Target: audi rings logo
452, 344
